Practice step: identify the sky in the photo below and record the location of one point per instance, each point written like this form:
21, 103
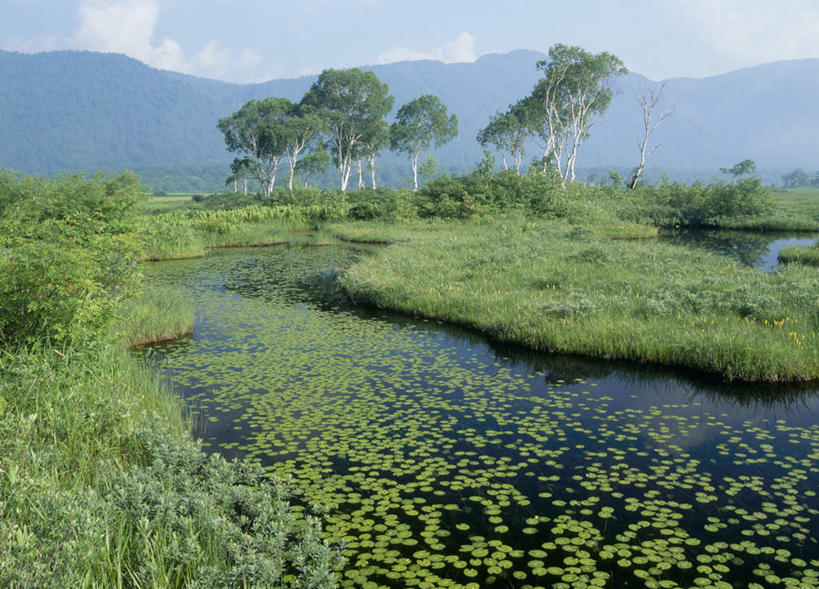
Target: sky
256, 40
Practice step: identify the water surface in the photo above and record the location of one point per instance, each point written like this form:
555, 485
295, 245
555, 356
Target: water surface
442, 459
755, 249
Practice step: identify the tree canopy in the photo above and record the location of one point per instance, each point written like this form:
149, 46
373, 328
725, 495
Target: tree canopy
575, 89
507, 133
351, 103
419, 124
258, 130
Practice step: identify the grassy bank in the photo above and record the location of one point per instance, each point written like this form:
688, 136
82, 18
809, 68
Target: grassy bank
101, 483
188, 233
102, 486
155, 315
563, 288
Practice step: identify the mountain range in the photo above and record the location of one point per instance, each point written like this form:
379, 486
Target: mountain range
79, 110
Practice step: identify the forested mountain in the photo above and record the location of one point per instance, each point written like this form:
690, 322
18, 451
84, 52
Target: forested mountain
72, 110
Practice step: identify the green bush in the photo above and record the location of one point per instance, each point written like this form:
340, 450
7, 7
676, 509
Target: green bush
673, 204
479, 193
67, 253
100, 482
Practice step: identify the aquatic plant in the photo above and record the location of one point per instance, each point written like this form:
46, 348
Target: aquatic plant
442, 464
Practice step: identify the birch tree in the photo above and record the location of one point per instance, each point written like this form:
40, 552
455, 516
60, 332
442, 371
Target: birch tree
648, 104
419, 124
240, 169
507, 133
302, 129
314, 163
575, 89
256, 130
350, 102
376, 139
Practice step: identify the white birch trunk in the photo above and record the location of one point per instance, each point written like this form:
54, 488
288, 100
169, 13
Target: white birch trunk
371, 162
414, 164
647, 105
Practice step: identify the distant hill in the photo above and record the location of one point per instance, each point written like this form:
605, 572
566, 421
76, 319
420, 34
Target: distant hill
72, 110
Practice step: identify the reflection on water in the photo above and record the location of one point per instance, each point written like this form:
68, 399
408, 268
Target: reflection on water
758, 250
447, 460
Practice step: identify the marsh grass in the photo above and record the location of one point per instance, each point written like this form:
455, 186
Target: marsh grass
188, 233
802, 255
626, 231
779, 220
377, 232
155, 315
803, 201
559, 288
101, 484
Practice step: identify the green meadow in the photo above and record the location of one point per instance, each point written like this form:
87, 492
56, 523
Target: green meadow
570, 289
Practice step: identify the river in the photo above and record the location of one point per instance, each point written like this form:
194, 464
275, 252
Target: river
442, 459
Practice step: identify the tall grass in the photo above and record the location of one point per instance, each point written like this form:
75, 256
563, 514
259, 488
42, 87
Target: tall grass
155, 315
802, 255
189, 232
102, 486
560, 288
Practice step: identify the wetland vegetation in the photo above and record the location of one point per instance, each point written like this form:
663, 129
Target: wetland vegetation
502, 379
430, 458
101, 484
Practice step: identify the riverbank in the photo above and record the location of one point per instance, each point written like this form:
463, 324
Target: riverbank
561, 288
101, 482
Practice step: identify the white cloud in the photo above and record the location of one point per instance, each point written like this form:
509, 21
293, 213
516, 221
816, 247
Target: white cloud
461, 49
755, 31
128, 26
35, 44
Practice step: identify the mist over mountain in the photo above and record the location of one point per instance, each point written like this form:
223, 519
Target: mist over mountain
71, 110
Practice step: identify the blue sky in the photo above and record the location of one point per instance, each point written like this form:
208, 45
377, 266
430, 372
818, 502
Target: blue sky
254, 40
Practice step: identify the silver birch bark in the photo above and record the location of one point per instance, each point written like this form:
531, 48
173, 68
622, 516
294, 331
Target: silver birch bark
647, 105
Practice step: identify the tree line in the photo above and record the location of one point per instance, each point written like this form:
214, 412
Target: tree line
341, 120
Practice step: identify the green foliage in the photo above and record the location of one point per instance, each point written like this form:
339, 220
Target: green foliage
575, 89
186, 233
384, 204
674, 204
507, 133
476, 194
796, 179
100, 483
802, 255
743, 168
103, 487
155, 315
352, 104
261, 131
420, 124
67, 253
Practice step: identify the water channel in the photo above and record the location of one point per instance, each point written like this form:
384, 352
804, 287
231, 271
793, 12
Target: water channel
441, 459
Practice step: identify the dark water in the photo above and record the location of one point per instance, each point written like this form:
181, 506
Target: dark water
443, 459
758, 250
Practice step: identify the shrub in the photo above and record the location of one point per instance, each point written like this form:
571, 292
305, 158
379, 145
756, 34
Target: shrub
68, 253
